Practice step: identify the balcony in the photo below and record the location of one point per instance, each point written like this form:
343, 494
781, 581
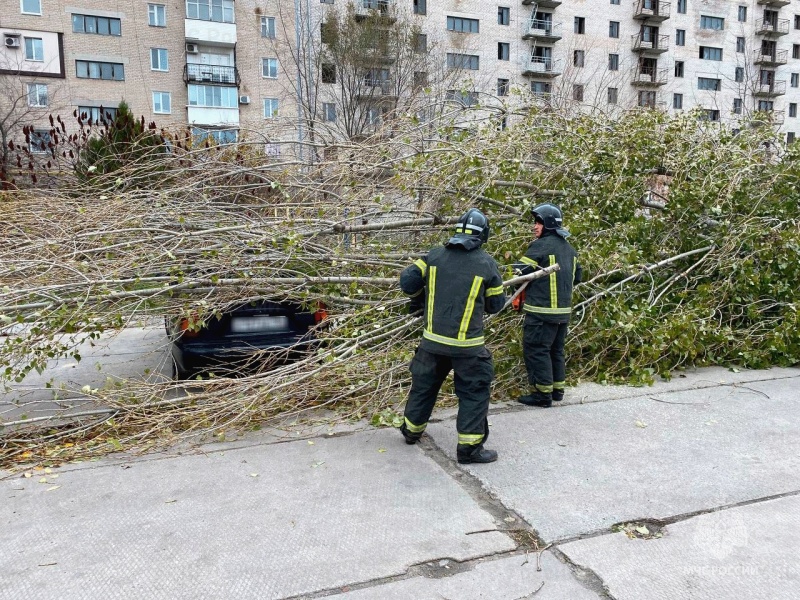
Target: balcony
376, 90
541, 66
770, 59
651, 10
197, 73
383, 9
775, 3
649, 44
775, 88
648, 77
210, 33
772, 27
542, 31
542, 3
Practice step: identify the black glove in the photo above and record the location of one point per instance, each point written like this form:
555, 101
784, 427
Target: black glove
415, 304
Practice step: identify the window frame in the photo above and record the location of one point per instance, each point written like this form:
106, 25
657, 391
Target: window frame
156, 54
579, 25
228, 95
738, 75
84, 18
29, 12
100, 66
680, 37
162, 95
578, 58
267, 64
710, 52
737, 106
458, 24
268, 27
613, 61
678, 71
34, 89
503, 15
741, 45
225, 8
716, 82
503, 51
793, 109
33, 49
612, 96
328, 110
274, 107
793, 79
153, 15
613, 30
578, 92
327, 72
503, 87
681, 7
457, 60
742, 14
420, 7
107, 115
43, 134
677, 101
708, 19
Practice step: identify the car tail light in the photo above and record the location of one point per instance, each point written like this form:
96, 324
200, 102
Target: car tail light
321, 314
184, 328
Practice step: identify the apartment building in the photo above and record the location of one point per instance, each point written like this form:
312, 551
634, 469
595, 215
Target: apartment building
243, 68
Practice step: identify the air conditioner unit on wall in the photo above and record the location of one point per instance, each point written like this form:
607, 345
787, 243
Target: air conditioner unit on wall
244, 99
11, 41
191, 48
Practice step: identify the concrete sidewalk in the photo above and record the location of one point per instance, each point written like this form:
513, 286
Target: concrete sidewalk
702, 474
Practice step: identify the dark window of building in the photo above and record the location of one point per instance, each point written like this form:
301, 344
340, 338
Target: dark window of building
420, 7
682, 7
678, 68
742, 14
613, 62
716, 23
578, 58
612, 95
795, 50
503, 15
577, 92
790, 137
680, 37
421, 43
503, 51
502, 87
98, 25
792, 109
740, 44
579, 25
709, 53
463, 25
737, 106
739, 76
328, 73
613, 29
677, 101
709, 83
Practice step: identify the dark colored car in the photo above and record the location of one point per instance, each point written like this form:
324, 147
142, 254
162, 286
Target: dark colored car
225, 345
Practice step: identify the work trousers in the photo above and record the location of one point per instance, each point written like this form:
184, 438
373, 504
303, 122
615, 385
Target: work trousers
472, 376
543, 350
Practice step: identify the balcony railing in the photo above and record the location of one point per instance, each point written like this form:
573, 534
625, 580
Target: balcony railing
647, 76
369, 8
772, 27
775, 88
542, 67
541, 30
652, 10
772, 59
775, 3
210, 74
650, 44
543, 3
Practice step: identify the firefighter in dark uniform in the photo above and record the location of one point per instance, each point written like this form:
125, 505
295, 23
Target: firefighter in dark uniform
547, 306
454, 284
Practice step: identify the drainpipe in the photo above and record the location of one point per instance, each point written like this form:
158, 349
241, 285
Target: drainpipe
298, 43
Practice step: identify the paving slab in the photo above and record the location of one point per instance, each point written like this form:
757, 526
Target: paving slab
510, 578
268, 521
743, 552
577, 469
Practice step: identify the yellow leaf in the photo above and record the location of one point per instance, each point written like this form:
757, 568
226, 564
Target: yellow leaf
68, 445
310, 443
641, 424
43, 480
48, 470
253, 474
27, 454
50, 489
381, 449
27, 475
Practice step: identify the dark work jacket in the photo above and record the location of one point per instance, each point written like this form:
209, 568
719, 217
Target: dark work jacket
458, 286
550, 298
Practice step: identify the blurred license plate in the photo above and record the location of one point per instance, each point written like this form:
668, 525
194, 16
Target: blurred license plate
255, 324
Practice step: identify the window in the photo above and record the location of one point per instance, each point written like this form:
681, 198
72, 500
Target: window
90, 69
795, 50
420, 7
711, 115
682, 7
647, 99
158, 59
737, 106
31, 7
680, 37
707, 83
613, 29
268, 27
502, 87
98, 25
269, 68
540, 88
39, 141
503, 51
220, 136
220, 11
740, 44
612, 95
790, 137
462, 61
742, 14
97, 113
739, 76
421, 43
162, 103
794, 79
213, 95
797, 21
376, 77
329, 112
578, 58
37, 95
503, 15
677, 101
766, 105
328, 73
577, 92
613, 62
463, 98
614, 1
420, 79
156, 15
463, 25
678, 68
34, 49
793, 109
579, 25
326, 1
707, 22
709, 53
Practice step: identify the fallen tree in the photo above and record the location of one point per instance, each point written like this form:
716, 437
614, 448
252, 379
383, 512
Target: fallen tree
702, 272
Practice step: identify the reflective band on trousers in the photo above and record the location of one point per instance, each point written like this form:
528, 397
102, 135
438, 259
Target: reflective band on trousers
545, 389
415, 428
470, 439
559, 385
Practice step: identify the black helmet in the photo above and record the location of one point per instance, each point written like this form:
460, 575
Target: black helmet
550, 216
472, 227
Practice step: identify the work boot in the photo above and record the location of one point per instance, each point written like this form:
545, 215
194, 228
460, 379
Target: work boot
558, 395
474, 454
537, 399
411, 438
